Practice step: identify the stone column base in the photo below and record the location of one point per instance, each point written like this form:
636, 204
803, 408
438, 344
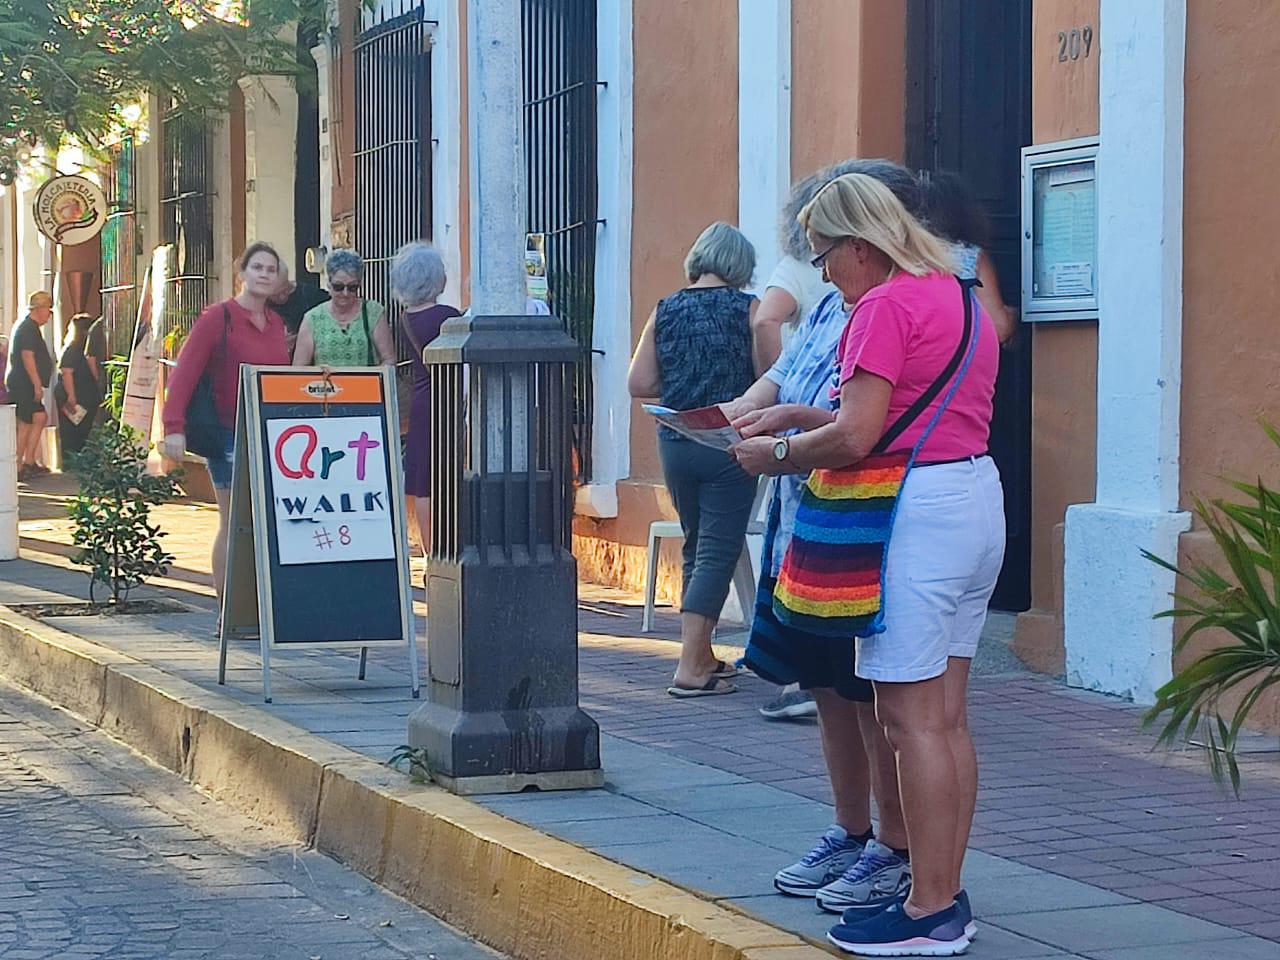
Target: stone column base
1111, 593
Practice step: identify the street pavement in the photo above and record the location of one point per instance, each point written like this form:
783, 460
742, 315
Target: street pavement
1086, 844
103, 854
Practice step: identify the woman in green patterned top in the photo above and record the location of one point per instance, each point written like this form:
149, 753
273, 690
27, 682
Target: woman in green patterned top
348, 331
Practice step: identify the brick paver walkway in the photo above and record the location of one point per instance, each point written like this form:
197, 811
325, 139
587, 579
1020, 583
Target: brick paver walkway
104, 855
1070, 785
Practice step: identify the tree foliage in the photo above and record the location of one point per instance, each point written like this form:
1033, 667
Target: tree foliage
70, 67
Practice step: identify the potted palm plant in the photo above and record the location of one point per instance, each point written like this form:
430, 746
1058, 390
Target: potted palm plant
1238, 604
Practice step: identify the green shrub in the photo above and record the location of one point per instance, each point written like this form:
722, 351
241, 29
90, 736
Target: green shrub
1244, 604
117, 541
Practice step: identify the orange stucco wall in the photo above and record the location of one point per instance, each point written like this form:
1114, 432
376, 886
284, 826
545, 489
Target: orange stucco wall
1064, 409
1230, 357
847, 81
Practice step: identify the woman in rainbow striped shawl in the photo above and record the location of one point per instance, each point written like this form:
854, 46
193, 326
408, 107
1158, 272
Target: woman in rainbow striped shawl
916, 377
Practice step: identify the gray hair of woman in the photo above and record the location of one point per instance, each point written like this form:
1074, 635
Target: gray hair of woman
417, 274
896, 177
722, 251
343, 260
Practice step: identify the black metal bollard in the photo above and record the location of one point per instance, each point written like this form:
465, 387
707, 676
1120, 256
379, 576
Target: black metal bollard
502, 708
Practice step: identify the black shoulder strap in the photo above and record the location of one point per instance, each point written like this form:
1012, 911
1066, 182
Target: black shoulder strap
368, 340
922, 402
226, 330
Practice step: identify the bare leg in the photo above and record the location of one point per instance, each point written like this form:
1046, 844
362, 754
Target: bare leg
915, 720
29, 449
890, 828
697, 661
23, 443
963, 755
422, 510
847, 765
218, 555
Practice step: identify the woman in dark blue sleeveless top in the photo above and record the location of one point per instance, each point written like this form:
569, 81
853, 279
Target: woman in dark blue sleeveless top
696, 351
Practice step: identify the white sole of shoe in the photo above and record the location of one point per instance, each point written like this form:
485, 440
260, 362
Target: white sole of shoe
795, 891
924, 948
798, 712
971, 930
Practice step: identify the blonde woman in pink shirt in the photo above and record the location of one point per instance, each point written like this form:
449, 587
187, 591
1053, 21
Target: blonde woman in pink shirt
227, 334
947, 543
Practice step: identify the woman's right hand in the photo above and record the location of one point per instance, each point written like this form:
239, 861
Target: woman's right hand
173, 447
735, 409
770, 421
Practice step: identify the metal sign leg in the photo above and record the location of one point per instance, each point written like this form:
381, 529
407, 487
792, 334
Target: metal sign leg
266, 668
364, 659
223, 640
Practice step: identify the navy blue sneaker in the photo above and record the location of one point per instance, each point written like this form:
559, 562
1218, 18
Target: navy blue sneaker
966, 914
891, 933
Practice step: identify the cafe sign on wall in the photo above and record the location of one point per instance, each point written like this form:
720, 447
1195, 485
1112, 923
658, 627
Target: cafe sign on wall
70, 210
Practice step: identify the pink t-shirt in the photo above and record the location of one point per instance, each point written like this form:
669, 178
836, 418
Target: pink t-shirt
906, 330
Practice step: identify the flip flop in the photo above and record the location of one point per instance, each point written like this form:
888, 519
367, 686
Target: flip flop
715, 687
725, 671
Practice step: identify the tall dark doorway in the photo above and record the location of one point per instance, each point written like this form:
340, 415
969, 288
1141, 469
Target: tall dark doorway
969, 111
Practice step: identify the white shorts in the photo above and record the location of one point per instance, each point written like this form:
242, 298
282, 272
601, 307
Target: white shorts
945, 554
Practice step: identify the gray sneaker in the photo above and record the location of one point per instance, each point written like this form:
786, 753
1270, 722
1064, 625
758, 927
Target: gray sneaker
831, 856
790, 705
878, 877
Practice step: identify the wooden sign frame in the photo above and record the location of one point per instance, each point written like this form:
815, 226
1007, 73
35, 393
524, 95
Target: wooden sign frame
256, 579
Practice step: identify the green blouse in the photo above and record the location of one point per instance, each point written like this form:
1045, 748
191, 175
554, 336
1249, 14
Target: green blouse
336, 347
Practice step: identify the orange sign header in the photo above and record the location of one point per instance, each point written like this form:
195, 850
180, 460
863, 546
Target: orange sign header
312, 387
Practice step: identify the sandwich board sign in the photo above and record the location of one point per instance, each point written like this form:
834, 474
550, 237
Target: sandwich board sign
318, 551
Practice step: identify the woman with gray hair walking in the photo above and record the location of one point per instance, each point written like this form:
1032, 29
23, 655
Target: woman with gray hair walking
417, 280
347, 331
696, 350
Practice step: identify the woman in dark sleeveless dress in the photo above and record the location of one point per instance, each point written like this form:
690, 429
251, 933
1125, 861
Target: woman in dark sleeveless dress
696, 351
417, 279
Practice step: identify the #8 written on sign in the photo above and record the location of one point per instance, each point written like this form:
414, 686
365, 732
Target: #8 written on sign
330, 496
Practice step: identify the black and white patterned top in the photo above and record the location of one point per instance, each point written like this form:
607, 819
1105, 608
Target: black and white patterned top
703, 339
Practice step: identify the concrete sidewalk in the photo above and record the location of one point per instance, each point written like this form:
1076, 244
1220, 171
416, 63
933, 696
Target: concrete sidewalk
1086, 843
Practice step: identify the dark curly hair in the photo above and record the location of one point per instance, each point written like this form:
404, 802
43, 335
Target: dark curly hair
949, 210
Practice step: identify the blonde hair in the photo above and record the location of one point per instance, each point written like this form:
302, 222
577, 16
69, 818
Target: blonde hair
860, 206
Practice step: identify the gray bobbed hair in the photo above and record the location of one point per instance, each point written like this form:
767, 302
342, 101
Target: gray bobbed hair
721, 250
417, 273
896, 177
343, 260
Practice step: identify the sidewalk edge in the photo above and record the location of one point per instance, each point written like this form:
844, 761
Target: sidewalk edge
525, 893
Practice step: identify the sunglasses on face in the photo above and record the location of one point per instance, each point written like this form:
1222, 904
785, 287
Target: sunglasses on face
345, 287
821, 258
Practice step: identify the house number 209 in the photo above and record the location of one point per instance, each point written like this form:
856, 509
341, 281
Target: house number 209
1074, 43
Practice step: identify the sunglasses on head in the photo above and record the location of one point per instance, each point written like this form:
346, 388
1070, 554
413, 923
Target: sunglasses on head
345, 287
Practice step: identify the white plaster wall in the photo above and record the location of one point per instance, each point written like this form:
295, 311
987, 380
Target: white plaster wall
447, 57
611, 325
1111, 592
271, 163
222, 285
764, 125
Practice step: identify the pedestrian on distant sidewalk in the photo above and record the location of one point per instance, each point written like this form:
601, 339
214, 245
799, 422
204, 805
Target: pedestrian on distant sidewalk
916, 380
349, 330
242, 330
292, 301
851, 864
78, 392
27, 381
417, 279
697, 350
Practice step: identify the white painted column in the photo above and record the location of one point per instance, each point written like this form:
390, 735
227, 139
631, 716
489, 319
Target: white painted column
611, 325
764, 125
270, 163
324, 110
446, 143
1111, 592
496, 122
8, 482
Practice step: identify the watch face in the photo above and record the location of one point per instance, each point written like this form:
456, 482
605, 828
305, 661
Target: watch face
780, 450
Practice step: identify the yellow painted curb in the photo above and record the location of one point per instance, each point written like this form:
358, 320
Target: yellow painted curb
527, 894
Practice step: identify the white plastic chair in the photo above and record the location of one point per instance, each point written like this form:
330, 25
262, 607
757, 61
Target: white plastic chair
744, 574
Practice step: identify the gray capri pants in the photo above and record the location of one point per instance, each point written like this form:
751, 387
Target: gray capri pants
713, 497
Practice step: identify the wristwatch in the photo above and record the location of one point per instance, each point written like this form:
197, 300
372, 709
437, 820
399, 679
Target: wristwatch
782, 450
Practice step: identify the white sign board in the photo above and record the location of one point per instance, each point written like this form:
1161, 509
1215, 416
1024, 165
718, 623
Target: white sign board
333, 501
